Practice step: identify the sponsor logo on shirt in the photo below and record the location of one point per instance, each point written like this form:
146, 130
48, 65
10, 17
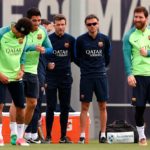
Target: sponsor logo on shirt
13, 51
94, 52
60, 53
66, 45
146, 46
39, 36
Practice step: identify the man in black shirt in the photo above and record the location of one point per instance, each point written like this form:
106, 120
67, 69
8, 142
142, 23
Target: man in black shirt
93, 56
59, 78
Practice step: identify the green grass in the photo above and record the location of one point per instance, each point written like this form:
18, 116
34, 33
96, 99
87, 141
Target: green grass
93, 145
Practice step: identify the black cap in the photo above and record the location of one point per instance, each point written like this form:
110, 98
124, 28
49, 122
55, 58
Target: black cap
24, 26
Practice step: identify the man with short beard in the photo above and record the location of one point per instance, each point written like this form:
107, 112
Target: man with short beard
136, 50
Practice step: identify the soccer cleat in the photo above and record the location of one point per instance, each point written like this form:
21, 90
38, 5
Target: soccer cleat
65, 140
1, 142
13, 139
143, 142
21, 142
103, 140
36, 141
81, 140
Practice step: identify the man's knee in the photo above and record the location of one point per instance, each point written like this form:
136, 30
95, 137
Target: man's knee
85, 107
102, 106
31, 104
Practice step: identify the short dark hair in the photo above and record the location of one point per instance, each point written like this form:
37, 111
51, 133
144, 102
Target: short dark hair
141, 9
33, 12
24, 25
91, 16
59, 17
45, 21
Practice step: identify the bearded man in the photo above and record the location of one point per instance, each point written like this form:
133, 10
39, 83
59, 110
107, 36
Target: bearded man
136, 50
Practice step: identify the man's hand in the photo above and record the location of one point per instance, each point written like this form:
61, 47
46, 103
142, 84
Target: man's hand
143, 52
51, 65
20, 75
4, 79
40, 49
131, 81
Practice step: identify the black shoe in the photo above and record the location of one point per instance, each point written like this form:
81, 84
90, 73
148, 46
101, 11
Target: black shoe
65, 140
36, 141
81, 140
103, 140
47, 140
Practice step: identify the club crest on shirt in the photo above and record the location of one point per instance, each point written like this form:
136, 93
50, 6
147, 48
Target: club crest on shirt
20, 41
100, 44
39, 36
149, 37
66, 45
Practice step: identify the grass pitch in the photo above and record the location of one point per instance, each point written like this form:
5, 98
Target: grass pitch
93, 145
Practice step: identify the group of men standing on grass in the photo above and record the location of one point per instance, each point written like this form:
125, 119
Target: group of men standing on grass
33, 62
